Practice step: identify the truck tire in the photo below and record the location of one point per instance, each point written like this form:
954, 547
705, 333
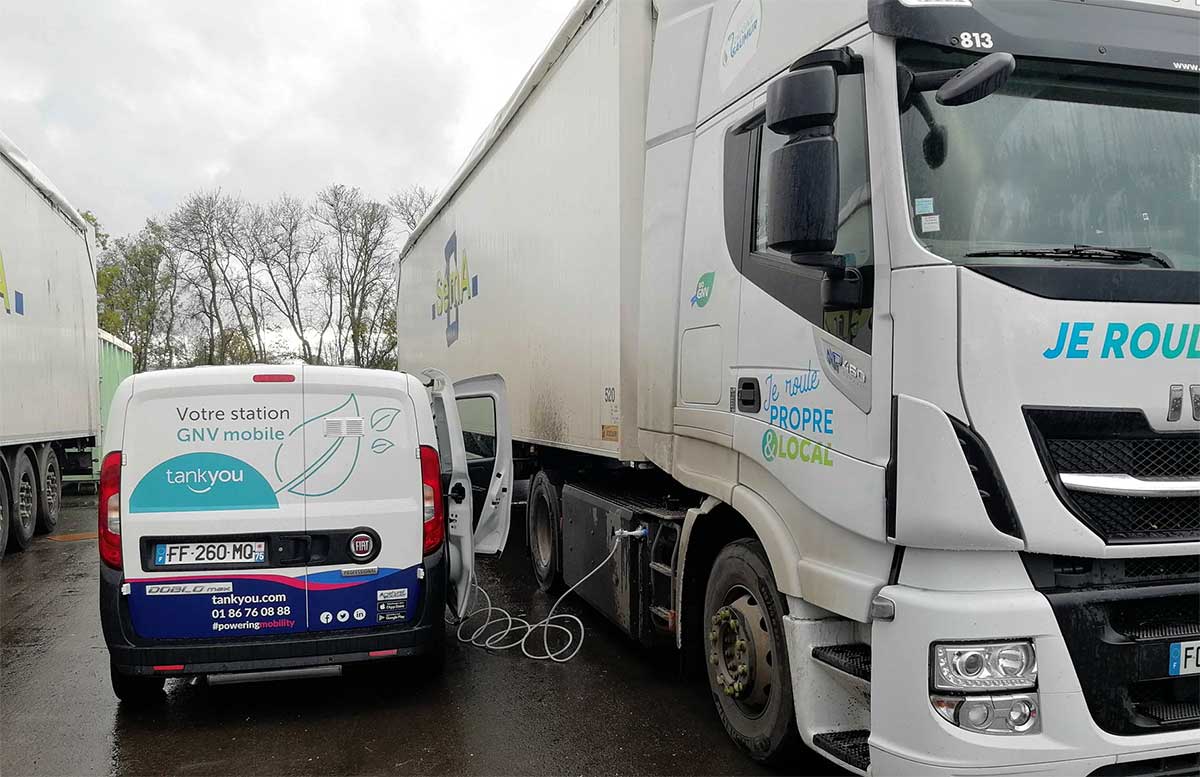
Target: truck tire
24, 501
5, 510
746, 653
50, 497
136, 690
544, 519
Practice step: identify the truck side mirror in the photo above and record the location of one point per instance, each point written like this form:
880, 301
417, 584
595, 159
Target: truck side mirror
804, 171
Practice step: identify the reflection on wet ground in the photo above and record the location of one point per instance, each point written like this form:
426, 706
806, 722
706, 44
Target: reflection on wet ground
616, 709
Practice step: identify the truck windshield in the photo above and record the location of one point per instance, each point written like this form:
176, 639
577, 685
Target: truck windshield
1065, 154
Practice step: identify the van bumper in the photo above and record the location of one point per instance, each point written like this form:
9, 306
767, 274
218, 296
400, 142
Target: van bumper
134, 655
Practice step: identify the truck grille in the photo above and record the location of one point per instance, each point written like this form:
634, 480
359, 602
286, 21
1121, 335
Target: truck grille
1120, 442
1119, 635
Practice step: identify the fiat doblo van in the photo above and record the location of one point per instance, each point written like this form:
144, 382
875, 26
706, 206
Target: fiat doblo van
285, 521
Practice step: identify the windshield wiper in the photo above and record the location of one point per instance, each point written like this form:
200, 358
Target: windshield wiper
1085, 253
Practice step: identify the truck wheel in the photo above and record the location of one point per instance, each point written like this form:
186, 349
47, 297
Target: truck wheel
50, 503
746, 653
544, 517
24, 502
5, 515
136, 690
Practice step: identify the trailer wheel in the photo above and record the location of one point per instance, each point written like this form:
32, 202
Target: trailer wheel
544, 516
746, 653
136, 690
24, 501
50, 477
5, 516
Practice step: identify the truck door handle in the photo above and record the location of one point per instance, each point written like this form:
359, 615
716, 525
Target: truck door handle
749, 398
458, 493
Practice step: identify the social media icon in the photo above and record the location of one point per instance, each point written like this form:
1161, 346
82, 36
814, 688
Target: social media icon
326, 617
343, 616
360, 614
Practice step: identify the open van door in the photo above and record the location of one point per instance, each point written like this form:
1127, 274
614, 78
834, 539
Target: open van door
475, 449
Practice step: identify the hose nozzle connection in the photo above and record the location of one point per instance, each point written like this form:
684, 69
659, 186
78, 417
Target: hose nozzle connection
639, 533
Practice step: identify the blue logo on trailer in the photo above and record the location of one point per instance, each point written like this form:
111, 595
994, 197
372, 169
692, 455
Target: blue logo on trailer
454, 288
199, 482
14, 301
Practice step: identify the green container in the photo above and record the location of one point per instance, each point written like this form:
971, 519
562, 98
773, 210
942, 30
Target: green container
116, 364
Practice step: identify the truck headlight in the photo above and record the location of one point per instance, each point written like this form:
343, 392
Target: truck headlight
1009, 714
982, 667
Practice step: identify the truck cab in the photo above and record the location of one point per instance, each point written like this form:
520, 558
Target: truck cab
951, 343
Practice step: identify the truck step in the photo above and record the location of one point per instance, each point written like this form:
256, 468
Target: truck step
854, 659
849, 747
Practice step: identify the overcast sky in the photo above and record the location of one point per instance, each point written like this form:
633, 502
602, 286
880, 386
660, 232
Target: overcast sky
130, 105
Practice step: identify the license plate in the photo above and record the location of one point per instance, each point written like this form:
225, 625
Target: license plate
1185, 658
186, 553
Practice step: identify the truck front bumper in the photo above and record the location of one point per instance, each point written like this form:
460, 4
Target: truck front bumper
909, 737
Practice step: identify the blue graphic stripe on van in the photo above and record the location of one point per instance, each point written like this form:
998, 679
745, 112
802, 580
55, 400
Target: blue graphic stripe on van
321, 581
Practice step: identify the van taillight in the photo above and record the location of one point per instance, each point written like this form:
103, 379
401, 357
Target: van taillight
109, 524
431, 493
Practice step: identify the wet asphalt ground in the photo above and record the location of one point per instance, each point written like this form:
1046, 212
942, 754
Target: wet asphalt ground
616, 709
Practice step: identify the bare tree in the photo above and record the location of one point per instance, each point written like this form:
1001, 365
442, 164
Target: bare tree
194, 231
358, 259
287, 246
409, 205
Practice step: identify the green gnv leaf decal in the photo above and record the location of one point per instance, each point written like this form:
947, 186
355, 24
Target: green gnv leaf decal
382, 446
330, 469
383, 418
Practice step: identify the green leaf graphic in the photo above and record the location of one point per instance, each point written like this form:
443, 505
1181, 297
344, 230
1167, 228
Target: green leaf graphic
381, 446
383, 418
330, 470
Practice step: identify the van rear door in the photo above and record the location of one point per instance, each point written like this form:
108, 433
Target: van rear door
212, 547
361, 481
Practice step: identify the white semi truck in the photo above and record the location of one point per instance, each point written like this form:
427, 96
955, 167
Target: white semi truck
49, 375
881, 318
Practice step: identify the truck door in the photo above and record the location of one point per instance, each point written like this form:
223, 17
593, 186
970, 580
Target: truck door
362, 489
212, 544
812, 384
475, 448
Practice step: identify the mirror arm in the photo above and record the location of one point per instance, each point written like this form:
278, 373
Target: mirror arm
933, 80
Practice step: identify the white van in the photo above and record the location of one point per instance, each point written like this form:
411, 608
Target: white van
293, 518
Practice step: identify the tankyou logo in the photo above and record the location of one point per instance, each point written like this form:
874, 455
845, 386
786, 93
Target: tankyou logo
200, 481
1075, 340
704, 288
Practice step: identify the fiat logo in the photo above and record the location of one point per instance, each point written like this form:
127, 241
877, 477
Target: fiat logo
362, 545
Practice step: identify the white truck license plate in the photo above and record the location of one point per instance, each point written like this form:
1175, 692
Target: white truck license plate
1185, 658
180, 553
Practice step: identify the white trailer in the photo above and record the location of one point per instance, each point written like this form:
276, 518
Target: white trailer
49, 379
880, 317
